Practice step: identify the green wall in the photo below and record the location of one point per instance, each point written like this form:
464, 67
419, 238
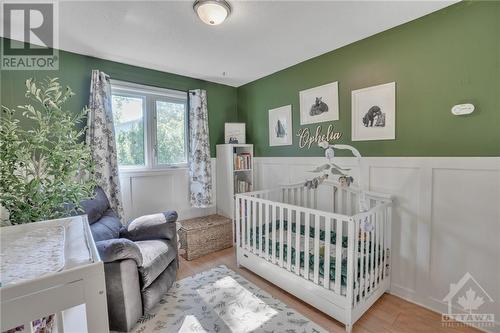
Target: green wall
74, 71
448, 57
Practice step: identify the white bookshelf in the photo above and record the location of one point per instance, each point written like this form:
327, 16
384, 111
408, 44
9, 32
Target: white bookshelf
233, 176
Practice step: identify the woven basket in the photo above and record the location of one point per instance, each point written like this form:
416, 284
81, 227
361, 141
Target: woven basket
204, 235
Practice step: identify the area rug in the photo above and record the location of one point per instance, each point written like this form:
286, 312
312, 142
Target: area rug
219, 300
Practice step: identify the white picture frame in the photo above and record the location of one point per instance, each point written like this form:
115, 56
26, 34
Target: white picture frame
319, 104
280, 126
374, 113
235, 131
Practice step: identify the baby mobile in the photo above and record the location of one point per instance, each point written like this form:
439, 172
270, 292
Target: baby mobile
344, 179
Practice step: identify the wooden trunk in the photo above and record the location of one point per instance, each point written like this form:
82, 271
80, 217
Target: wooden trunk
204, 235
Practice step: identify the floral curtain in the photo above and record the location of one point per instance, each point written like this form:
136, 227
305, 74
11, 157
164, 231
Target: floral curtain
101, 139
200, 166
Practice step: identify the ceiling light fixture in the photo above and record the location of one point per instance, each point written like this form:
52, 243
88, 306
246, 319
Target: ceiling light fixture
212, 12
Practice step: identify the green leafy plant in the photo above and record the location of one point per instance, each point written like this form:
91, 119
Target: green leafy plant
45, 167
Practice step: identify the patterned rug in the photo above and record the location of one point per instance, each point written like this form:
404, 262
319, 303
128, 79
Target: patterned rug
219, 300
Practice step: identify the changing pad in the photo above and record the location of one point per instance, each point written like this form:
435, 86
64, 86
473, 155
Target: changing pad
29, 251
28, 254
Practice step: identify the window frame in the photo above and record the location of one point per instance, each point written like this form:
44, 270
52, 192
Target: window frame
150, 95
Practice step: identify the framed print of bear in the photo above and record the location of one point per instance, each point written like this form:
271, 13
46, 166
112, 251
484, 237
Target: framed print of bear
374, 113
319, 104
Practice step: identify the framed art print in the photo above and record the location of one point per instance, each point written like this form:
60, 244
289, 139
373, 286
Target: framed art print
234, 133
280, 126
319, 104
374, 113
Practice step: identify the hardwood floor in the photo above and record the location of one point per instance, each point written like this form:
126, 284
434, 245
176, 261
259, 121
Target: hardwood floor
389, 314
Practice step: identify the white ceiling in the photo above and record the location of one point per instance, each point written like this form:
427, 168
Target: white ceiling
259, 37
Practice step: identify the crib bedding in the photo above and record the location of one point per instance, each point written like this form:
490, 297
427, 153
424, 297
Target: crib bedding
362, 273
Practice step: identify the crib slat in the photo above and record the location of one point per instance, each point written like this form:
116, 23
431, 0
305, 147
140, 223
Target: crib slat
315, 195
302, 197
266, 232
243, 225
247, 222
338, 256
367, 259
273, 240
237, 221
306, 245
384, 251
289, 241
316, 247
281, 238
326, 255
298, 218
361, 260
372, 253
254, 225
382, 242
355, 262
308, 198
351, 255
377, 247
259, 217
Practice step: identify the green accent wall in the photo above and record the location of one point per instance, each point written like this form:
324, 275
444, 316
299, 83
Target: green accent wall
448, 57
74, 71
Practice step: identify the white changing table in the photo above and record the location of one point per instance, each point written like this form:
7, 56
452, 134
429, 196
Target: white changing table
53, 288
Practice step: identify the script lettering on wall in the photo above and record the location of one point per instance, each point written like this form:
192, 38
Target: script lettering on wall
306, 139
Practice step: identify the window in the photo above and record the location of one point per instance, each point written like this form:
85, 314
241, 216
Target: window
150, 126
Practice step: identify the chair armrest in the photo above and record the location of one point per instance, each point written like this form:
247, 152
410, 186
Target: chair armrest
119, 249
155, 226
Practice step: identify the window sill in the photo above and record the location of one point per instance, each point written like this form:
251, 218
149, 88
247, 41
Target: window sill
152, 171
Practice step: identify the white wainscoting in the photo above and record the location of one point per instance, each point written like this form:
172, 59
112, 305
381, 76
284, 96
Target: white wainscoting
446, 219
147, 192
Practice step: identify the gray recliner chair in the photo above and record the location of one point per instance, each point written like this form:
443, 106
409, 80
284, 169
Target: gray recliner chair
141, 259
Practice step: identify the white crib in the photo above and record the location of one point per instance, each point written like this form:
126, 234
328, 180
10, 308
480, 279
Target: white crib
281, 234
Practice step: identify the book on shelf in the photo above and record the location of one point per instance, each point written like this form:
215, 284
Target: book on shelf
242, 161
242, 186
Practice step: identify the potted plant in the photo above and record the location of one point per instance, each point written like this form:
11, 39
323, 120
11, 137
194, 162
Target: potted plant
45, 167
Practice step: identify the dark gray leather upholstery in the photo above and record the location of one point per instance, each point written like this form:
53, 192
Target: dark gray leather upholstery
157, 255
152, 294
123, 294
119, 249
141, 260
95, 208
108, 226
151, 229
